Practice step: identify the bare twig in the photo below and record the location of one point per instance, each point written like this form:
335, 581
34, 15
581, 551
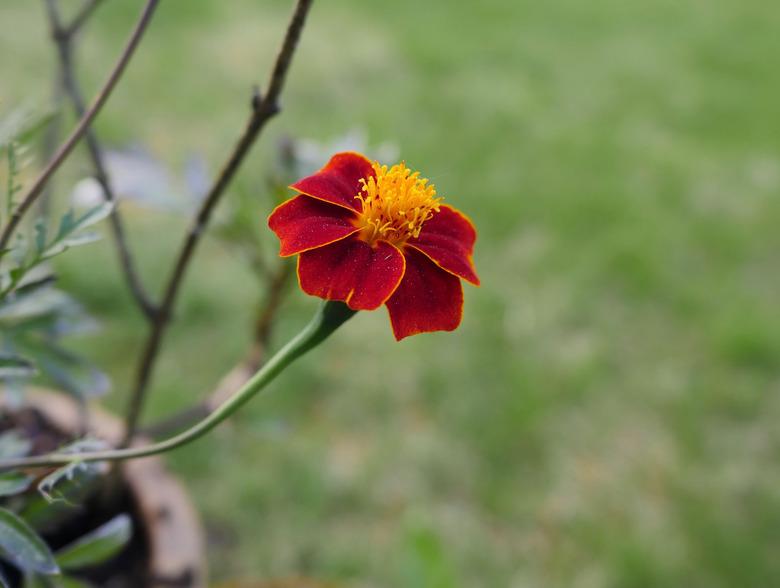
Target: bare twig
63, 39
81, 17
263, 110
65, 149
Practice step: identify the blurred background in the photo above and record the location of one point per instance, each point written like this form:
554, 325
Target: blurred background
606, 416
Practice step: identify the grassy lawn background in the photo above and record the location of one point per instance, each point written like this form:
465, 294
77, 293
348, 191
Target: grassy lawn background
607, 413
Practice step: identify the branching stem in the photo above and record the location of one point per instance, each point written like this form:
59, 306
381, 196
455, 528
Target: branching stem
63, 38
82, 16
65, 149
264, 108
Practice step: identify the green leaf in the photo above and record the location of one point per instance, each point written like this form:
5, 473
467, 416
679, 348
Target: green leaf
33, 580
71, 582
21, 123
23, 547
68, 233
60, 490
62, 482
17, 273
13, 366
60, 246
14, 483
67, 371
70, 224
67, 222
17, 309
33, 287
40, 234
98, 545
39, 581
94, 215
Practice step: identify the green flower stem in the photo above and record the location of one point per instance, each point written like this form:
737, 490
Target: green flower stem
330, 316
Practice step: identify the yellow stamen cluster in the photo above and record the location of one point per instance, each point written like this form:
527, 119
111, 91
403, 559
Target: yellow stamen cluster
396, 204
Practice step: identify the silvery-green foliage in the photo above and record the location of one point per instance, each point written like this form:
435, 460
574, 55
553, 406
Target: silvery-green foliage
34, 315
27, 511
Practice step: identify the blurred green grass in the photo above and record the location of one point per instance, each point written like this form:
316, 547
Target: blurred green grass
607, 413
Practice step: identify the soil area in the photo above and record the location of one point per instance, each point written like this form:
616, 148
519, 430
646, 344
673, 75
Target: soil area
64, 522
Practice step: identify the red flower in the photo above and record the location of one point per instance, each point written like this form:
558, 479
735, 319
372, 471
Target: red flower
368, 235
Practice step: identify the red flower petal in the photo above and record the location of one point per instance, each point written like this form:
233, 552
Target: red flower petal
339, 181
352, 271
448, 239
427, 299
303, 223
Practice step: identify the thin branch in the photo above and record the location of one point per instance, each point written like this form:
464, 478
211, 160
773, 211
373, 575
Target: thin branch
64, 42
264, 109
66, 148
81, 17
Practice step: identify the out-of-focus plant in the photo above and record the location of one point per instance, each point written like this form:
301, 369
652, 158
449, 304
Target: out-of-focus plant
26, 515
34, 314
34, 318
33, 322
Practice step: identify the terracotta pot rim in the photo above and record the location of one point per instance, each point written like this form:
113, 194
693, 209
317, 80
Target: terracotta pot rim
173, 530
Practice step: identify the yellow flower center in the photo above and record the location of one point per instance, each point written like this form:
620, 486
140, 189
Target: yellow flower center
396, 204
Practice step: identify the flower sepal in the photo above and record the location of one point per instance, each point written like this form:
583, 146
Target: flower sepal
329, 317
